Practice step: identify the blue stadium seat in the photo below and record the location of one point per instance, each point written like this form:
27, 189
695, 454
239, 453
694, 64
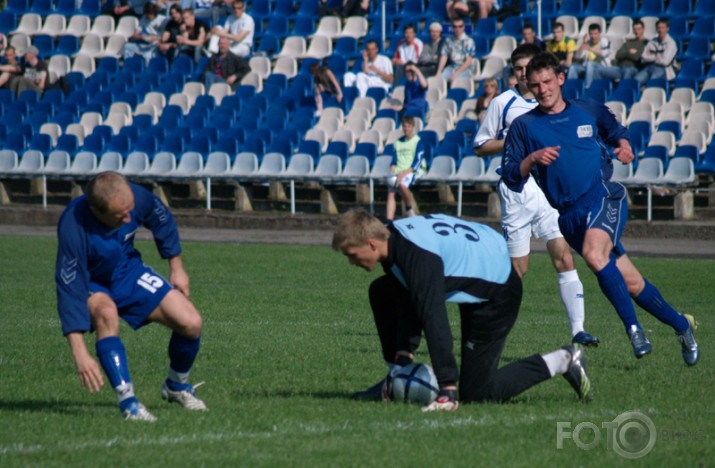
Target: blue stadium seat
572, 8
469, 127
148, 144
429, 138
159, 65
512, 26
282, 145
37, 119
8, 22
339, 149
651, 8
449, 148
91, 8
436, 9
308, 9
679, 29
200, 144
229, 144
119, 144
131, 132
17, 7
378, 94
338, 65
693, 69
303, 26
68, 143
698, 49
640, 132
94, 143
414, 10
549, 9
269, 45
41, 142
687, 151
625, 8
310, 147
459, 138
678, 8
66, 8
42, 7
45, 45
174, 145
598, 8
671, 126
392, 10
346, 47
704, 9
250, 118
245, 92
369, 150
183, 65
30, 96
627, 91
15, 142
657, 151
260, 11
706, 165
277, 27
255, 145
388, 113
458, 95
573, 88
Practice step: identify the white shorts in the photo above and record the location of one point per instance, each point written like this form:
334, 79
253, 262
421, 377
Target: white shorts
524, 214
407, 181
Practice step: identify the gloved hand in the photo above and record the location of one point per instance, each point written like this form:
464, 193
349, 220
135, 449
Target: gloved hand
446, 401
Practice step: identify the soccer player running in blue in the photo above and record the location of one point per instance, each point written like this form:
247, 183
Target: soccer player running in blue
562, 144
528, 212
100, 277
430, 260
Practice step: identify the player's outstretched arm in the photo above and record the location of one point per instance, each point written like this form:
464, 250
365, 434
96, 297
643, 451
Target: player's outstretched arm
87, 367
178, 276
624, 152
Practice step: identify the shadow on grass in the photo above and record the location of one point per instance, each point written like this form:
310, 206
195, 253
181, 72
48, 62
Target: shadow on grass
59, 407
293, 394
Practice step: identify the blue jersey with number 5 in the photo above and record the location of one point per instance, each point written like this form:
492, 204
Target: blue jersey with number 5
90, 251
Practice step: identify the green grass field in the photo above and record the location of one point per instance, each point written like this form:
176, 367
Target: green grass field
289, 335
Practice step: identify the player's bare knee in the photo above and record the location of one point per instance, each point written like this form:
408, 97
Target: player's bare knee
104, 314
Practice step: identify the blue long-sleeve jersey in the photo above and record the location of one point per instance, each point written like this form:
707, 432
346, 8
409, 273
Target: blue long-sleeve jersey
582, 130
441, 259
90, 251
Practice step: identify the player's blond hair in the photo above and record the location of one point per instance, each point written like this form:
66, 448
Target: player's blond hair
357, 226
103, 187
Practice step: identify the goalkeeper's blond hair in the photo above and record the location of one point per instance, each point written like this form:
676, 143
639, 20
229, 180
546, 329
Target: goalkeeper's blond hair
357, 226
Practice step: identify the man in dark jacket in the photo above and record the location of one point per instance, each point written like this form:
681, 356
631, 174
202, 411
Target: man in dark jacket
225, 67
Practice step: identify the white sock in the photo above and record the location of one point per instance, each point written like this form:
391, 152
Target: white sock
124, 391
557, 362
571, 290
178, 377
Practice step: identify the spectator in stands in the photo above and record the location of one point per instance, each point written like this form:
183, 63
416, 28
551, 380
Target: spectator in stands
432, 51
415, 92
529, 37
34, 73
225, 67
221, 9
239, 28
202, 8
172, 30
491, 90
407, 165
594, 54
3, 44
128, 8
376, 71
325, 83
409, 49
191, 41
659, 55
355, 8
147, 36
562, 46
475, 9
457, 54
11, 70
627, 63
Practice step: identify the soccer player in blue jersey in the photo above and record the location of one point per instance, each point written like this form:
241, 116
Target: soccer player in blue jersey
562, 144
100, 277
430, 260
528, 212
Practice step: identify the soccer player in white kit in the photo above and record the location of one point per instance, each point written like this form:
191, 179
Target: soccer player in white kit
528, 212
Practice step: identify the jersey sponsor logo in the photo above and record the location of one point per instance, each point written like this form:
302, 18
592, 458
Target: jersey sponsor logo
130, 235
584, 131
68, 273
150, 282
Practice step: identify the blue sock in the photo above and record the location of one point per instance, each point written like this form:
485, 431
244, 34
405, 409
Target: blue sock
614, 287
182, 353
652, 301
113, 359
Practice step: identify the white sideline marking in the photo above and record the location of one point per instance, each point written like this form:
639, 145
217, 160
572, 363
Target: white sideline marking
301, 429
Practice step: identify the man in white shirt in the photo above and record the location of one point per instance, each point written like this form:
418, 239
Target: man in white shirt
239, 28
376, 71
409, 49
593, 54
659, 55
457, 54
528, 212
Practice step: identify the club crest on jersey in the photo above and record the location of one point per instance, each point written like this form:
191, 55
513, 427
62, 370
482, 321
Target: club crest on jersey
584, 131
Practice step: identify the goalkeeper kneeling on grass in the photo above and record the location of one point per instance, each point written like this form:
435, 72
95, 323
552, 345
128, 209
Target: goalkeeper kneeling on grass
434, 259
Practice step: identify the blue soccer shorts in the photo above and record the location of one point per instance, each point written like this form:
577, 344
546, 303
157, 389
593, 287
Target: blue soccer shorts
606, 209
136, 294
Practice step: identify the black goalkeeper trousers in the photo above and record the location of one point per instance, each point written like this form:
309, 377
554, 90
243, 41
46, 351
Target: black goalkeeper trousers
484, 329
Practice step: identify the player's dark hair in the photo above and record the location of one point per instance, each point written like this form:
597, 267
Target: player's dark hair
408, 119
557, 24
525, 51
637, 22
595, 27
544, 60
528, 26
150, 9
663, 21
102, 187
410, 26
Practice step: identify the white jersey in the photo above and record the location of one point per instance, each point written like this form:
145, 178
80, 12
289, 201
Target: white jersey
501, 112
